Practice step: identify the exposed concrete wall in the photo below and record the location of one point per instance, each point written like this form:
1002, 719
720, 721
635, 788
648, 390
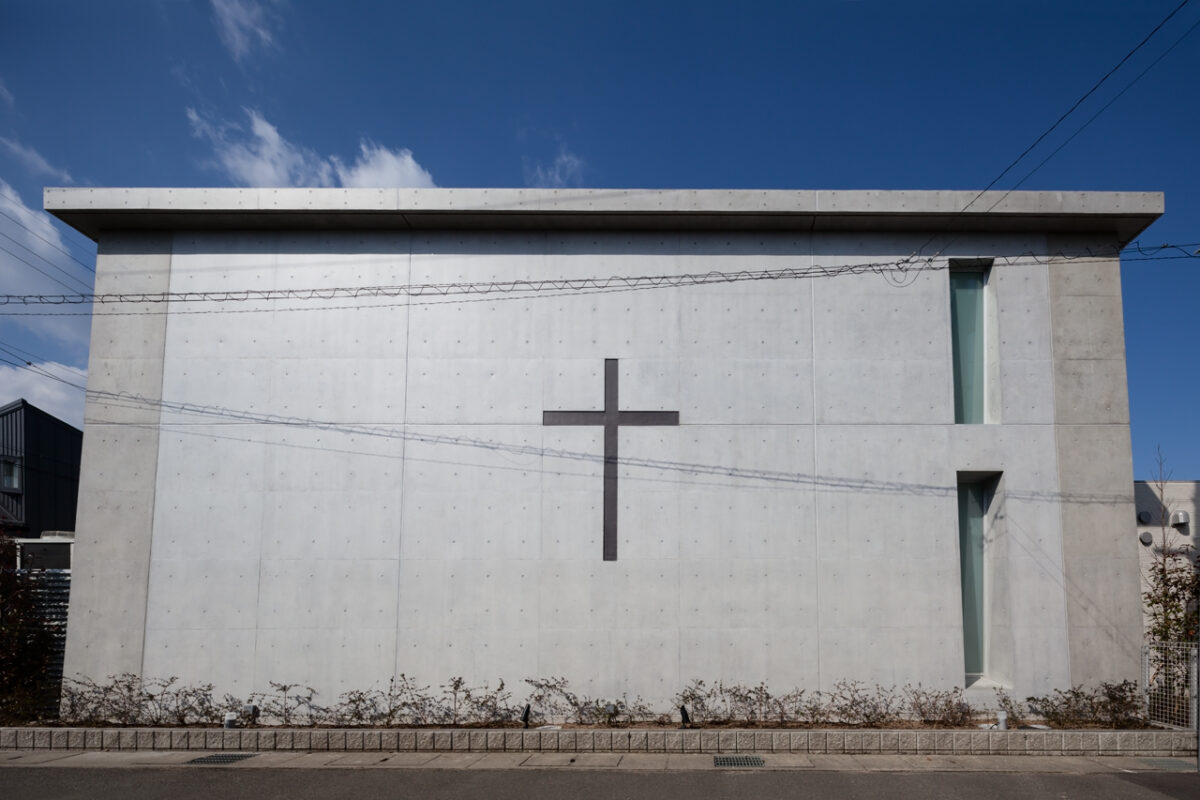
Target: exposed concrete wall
1095, 468
107, 615
799, 526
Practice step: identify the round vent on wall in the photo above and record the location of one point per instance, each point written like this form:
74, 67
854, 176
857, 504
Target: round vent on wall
1144, 517
1146, 538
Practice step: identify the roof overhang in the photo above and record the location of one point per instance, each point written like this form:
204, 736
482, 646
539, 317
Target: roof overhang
1118, 216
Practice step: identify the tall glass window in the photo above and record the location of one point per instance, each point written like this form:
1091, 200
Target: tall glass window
967, 337
972, 510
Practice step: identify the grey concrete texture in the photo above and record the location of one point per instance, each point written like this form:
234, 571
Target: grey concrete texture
1142, 743
94, 210
107, 614
436, 527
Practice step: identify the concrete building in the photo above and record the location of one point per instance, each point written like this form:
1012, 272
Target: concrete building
761, 454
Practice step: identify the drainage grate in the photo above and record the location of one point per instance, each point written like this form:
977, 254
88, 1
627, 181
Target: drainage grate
222, 758
738, 761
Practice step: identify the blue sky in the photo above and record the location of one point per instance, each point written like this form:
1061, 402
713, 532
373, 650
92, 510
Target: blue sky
777, 95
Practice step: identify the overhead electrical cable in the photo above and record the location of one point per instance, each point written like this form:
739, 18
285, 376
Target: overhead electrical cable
47, 261
1061, 119
529, 287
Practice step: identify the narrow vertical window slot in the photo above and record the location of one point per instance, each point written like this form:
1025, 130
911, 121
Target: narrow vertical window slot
972, 508
968, 324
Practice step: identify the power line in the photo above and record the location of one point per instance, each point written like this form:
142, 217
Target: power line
57, 247
33, 252
1103, 108
528, 287
1062, 118
36, 269
1078, 102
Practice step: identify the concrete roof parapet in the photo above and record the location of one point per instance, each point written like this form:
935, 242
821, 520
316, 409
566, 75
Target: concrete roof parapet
93, 210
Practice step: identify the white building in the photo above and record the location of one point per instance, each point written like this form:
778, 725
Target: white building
844, 472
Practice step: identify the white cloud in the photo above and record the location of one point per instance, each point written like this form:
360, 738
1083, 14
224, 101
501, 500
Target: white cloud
566, 170
261, 156
33, 231
33, 161
6, 96
378, 166
51, 396
243, 25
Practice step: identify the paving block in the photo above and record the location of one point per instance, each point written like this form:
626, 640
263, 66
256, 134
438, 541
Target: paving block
710, 742
672, 742
656, 742
354, 741
513, 741
443, 741
691, 741
493, 742
639, 741
76, 739
816, 741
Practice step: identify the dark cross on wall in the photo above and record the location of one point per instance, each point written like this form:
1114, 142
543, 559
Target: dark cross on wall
611, 418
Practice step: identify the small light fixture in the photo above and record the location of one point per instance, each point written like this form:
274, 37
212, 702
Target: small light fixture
1146, 538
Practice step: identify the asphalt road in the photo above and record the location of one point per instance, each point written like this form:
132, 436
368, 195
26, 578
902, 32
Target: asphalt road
184, 783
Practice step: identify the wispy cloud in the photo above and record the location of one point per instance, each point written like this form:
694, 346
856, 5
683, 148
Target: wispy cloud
6, 96
52, 396
32, 243
243, 25
565, 170
379, 166
34, 161
261, 156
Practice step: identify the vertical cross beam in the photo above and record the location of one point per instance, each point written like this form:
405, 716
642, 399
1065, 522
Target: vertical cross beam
612, 417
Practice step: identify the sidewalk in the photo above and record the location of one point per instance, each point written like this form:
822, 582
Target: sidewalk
1070, 765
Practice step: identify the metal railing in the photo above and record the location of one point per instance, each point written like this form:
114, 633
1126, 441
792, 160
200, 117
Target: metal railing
1169, 682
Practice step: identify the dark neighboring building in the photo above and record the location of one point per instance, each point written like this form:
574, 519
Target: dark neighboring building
39, 472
